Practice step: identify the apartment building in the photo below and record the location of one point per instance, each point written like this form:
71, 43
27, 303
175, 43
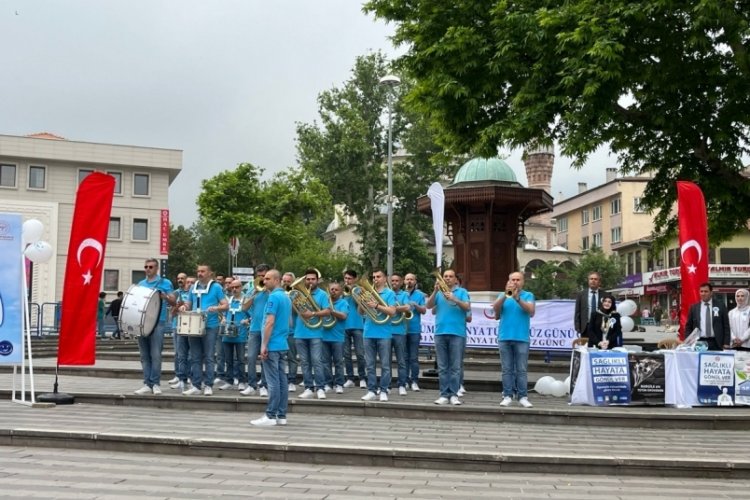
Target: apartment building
39, 176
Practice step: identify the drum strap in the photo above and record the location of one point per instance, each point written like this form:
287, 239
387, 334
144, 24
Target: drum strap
199, 293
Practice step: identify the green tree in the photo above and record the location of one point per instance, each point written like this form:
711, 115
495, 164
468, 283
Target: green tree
210, 248
182, 255
664, 84
610, 269
348, 152
552, 281
272, 218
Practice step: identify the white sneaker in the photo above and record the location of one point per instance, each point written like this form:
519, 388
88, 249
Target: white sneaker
327, 388
248, 391
525, 403
369, 396
441, 401
143, 390
218, 381
292, 388
225, 386
235, 382
241, 387
338, 389
321, 394
156, 389
349, 383
263, 392
461, 391
264, 421
507, 400
174, 380
208, 391
455, 401
383, 396
363, 384
415, 387
307, 394
193, 391
179, 385
402, 391
280, 421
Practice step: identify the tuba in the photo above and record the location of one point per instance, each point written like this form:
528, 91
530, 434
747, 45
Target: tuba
362, 293
302, 300
401, 316
329, 321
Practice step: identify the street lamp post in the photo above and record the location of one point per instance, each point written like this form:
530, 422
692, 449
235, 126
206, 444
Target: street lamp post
390, 81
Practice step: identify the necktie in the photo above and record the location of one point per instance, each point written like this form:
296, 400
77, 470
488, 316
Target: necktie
707, 327
592, 309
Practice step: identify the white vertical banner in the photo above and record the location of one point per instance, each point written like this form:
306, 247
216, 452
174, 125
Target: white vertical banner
437, 205
11, 289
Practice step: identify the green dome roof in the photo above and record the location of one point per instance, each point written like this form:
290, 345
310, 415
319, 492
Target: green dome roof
485, 169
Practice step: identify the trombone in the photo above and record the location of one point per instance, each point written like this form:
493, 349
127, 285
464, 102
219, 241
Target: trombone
362, 293
256, 288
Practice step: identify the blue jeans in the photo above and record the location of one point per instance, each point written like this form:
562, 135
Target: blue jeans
449, 350
181, 349
278, 391
311, 358
221, 362
202, 355
375, 348
354, 336
399, 347
150, 348
514, 357
235, 355
333, 355
412, 357
253, 350
291, 359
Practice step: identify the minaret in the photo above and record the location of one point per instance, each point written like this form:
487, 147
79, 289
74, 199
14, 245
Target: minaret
539, 160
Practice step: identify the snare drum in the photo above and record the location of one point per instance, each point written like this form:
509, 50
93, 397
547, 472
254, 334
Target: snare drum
228, 330
191, 324
139, 311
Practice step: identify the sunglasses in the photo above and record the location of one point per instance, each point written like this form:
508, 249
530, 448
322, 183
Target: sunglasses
149, 267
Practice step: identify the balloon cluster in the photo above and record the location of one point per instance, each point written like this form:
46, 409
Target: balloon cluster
548, 386
37, 251
627, 308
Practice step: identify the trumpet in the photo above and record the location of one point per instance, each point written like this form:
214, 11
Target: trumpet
509, 293
442, 285
362, 293
255, 288
346, 290
302, 300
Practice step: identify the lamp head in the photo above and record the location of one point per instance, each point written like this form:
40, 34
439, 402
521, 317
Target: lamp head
390, 81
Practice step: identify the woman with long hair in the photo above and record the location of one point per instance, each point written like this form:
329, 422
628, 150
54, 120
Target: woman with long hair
739, 321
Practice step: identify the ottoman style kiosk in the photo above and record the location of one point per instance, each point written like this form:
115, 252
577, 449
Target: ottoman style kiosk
485, 211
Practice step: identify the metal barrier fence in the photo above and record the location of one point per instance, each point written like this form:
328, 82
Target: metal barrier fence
48, 318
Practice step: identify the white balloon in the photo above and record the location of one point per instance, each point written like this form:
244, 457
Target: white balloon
31, 231
558, 388
543, 385
627, 324
627, 308
567, 384
39, 252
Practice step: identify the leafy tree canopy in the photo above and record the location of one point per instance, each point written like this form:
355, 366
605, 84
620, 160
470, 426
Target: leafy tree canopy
664, 84
272, 218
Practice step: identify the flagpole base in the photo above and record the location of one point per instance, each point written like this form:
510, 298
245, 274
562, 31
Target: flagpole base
58, 398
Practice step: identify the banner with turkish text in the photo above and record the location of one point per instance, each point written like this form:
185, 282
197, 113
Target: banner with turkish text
693, 232
83, 271
12, 292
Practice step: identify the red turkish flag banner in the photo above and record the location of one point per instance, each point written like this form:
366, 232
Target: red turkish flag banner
83, 271
693, 233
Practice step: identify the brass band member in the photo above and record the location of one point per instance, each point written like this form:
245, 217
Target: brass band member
417, 300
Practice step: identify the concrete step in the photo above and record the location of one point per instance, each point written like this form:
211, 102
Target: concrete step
467, 445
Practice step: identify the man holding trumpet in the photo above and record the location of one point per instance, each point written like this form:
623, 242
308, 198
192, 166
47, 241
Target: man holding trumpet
514, 308
450, 303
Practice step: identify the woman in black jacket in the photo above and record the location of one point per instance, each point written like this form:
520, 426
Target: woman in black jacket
605, 330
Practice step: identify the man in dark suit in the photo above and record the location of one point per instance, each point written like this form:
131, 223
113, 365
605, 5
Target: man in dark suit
711, 318
589, 297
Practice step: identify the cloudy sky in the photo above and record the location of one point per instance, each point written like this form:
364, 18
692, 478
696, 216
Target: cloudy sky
224, 81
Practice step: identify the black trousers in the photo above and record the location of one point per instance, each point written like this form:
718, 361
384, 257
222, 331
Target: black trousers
712, 344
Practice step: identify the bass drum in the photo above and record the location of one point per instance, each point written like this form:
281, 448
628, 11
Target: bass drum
140, 310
